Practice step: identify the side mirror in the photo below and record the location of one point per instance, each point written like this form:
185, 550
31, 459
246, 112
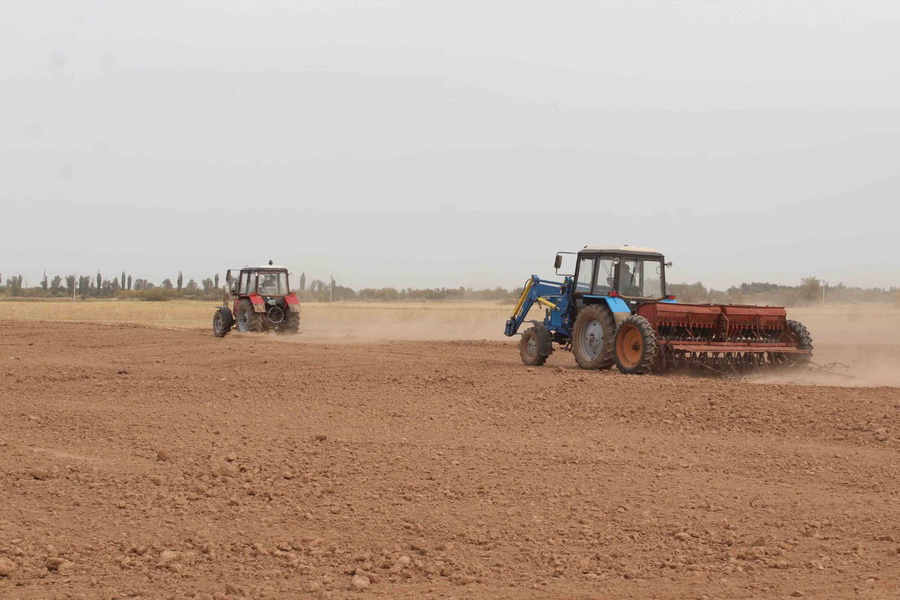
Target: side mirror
558, 262
669, 264
228, 276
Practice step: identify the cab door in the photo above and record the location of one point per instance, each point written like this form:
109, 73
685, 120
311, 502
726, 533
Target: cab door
584, 278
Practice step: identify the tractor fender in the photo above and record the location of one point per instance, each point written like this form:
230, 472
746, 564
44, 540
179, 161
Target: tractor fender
259, 305
291, 304
619, 309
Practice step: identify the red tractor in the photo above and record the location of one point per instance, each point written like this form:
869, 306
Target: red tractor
261, 301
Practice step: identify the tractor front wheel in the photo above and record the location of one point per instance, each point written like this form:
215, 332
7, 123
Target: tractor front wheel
636, 346
535, 346
223, 321
247, 319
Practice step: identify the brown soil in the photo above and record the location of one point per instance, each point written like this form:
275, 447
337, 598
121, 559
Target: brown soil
147, 463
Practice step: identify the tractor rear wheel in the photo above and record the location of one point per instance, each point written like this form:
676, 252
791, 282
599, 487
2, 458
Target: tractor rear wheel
291, 323
636, 346
593, 337
535, 346
223, 321
247, 319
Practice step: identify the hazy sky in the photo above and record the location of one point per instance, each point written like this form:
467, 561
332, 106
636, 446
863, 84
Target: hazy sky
430, 143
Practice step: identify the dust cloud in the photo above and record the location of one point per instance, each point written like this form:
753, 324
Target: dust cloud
852, 374
855, 345
359, 323
388, 330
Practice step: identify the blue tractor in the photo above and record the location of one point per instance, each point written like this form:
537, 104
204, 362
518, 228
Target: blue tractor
614, 310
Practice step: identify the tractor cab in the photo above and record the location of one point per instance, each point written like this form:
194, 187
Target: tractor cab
260, 300
269, 281
634, 274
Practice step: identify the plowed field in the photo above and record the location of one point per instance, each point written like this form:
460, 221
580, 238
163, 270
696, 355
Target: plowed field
142, 462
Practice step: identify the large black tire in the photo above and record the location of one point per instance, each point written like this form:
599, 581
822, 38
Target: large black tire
593, 337
804, 342
247, 319
223, 321
291, 323
637, 347
535, 346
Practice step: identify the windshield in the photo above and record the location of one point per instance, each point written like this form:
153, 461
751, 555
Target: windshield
640, 278
273, 283
605, 280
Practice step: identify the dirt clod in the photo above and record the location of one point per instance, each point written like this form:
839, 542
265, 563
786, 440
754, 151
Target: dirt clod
359, 582
7, 567
58, 564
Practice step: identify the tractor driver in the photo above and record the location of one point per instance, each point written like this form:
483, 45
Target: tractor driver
627, 285
269, 285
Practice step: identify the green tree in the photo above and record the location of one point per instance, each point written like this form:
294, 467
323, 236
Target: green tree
302, 281
688, 292
70, 284
84, 286
180, 280
55, 285
14, 285
45, 284
167, 284
216, 281
810, 289
99, 283
123, 280
128, 287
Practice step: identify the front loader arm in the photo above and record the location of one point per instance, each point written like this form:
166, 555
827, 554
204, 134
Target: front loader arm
534, 291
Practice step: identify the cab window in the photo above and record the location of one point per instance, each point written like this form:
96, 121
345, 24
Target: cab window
640, 278
273, 283
585, 275
248, 280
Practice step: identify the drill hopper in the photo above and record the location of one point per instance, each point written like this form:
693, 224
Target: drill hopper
725, 336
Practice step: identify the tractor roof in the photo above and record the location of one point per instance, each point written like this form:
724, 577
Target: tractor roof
265, 268
622, 250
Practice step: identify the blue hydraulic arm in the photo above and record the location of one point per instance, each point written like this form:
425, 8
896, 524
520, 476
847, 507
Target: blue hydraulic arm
551, 294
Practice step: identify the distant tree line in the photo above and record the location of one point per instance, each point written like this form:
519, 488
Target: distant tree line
320, 291
811, 290
122, 286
